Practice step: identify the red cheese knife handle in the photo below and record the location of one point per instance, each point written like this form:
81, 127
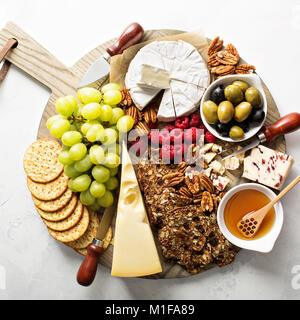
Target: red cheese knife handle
130, 36
87, 271
287, 124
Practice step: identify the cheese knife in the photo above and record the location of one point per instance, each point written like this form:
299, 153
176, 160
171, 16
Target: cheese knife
100, 69
287, 124
87, 271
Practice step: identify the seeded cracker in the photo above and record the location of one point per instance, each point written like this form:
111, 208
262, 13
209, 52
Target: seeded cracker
61, 214
48, 191
54, 205
67, 223
74, 233
41, 161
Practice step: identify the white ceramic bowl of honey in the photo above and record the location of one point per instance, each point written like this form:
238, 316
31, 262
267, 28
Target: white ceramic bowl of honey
241, 200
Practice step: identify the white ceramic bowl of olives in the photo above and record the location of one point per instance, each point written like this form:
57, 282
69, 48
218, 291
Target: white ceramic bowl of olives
234, 108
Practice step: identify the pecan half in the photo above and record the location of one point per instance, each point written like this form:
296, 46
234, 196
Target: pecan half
184, 191
232, 49
207, 203
135, 113
142, 128
193, 183
222, 70
227, 58
126, 98
206, 184
212, 61
245, 69
150, 115
215, 46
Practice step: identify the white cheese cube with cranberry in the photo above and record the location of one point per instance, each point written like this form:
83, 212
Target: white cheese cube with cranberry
267, 166
221, 183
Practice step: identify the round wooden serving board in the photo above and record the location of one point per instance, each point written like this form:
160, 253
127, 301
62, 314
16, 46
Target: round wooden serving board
41, 65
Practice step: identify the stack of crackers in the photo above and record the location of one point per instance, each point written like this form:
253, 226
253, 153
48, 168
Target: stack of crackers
66, 219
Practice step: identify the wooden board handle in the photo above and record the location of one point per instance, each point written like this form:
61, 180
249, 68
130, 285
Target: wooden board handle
32, 58
130, 36
87, 271
287, 124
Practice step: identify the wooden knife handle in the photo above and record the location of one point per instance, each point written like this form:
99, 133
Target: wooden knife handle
287, 124
130, 36
87, 271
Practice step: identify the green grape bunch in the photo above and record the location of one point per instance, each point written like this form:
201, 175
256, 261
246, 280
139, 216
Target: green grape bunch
89, 128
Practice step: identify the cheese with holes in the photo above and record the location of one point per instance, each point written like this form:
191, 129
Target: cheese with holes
174, 65
267, 166
135, 253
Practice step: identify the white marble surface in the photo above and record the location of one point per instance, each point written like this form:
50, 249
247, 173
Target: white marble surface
32, 264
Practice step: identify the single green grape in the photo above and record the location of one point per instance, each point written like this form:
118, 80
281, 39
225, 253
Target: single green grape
101, 174
112, 97
82, 183
70, 171
125, 124
78, 151
89, 95
51, 120
91, 111
110, 136
84, 164
66, 105
117, 113
97, 189
85, 128
107, 200
110, 86
95, 133
95, 207
112, 183
96, 154
106, 113
64, 158
59, 127
114, 171
71, 137
111, 160
71, 186
86, 198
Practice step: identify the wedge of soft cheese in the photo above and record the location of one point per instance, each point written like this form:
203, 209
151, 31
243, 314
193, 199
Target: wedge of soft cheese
153, 77
166, 112
135, 253
267, 166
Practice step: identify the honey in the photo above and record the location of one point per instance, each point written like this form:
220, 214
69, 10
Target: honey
244, 202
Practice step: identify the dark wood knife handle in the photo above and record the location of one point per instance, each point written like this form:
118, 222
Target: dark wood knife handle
130, 36
87, 271
287, 124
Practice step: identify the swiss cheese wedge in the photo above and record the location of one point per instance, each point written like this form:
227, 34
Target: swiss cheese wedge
135, 253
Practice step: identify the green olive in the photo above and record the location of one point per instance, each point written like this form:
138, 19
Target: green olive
252, 96
234, 94
236, 133
225, 111
210, 111
242, 85
242, 111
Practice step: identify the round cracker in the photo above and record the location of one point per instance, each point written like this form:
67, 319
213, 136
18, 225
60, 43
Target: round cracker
54, 205
89, 235
75, 232
107, 242
41, 161
61, 214
68, 223
48, 191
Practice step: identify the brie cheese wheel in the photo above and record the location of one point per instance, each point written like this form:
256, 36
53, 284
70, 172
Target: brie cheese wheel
188, 78
135, 253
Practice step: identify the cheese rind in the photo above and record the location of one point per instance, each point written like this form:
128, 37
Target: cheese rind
135, 253
267, 166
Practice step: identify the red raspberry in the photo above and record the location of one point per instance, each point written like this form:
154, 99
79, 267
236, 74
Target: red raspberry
191, 135
209, 137
167, 153
176, 136
195, 120
139, 147
152, 125
154, 137
169, 127
164, 137
182, 123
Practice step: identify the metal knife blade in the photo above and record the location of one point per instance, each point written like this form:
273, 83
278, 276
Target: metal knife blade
252, 145
98, 70
106, 221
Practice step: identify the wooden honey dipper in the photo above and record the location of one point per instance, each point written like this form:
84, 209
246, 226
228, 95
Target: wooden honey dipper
251, 222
